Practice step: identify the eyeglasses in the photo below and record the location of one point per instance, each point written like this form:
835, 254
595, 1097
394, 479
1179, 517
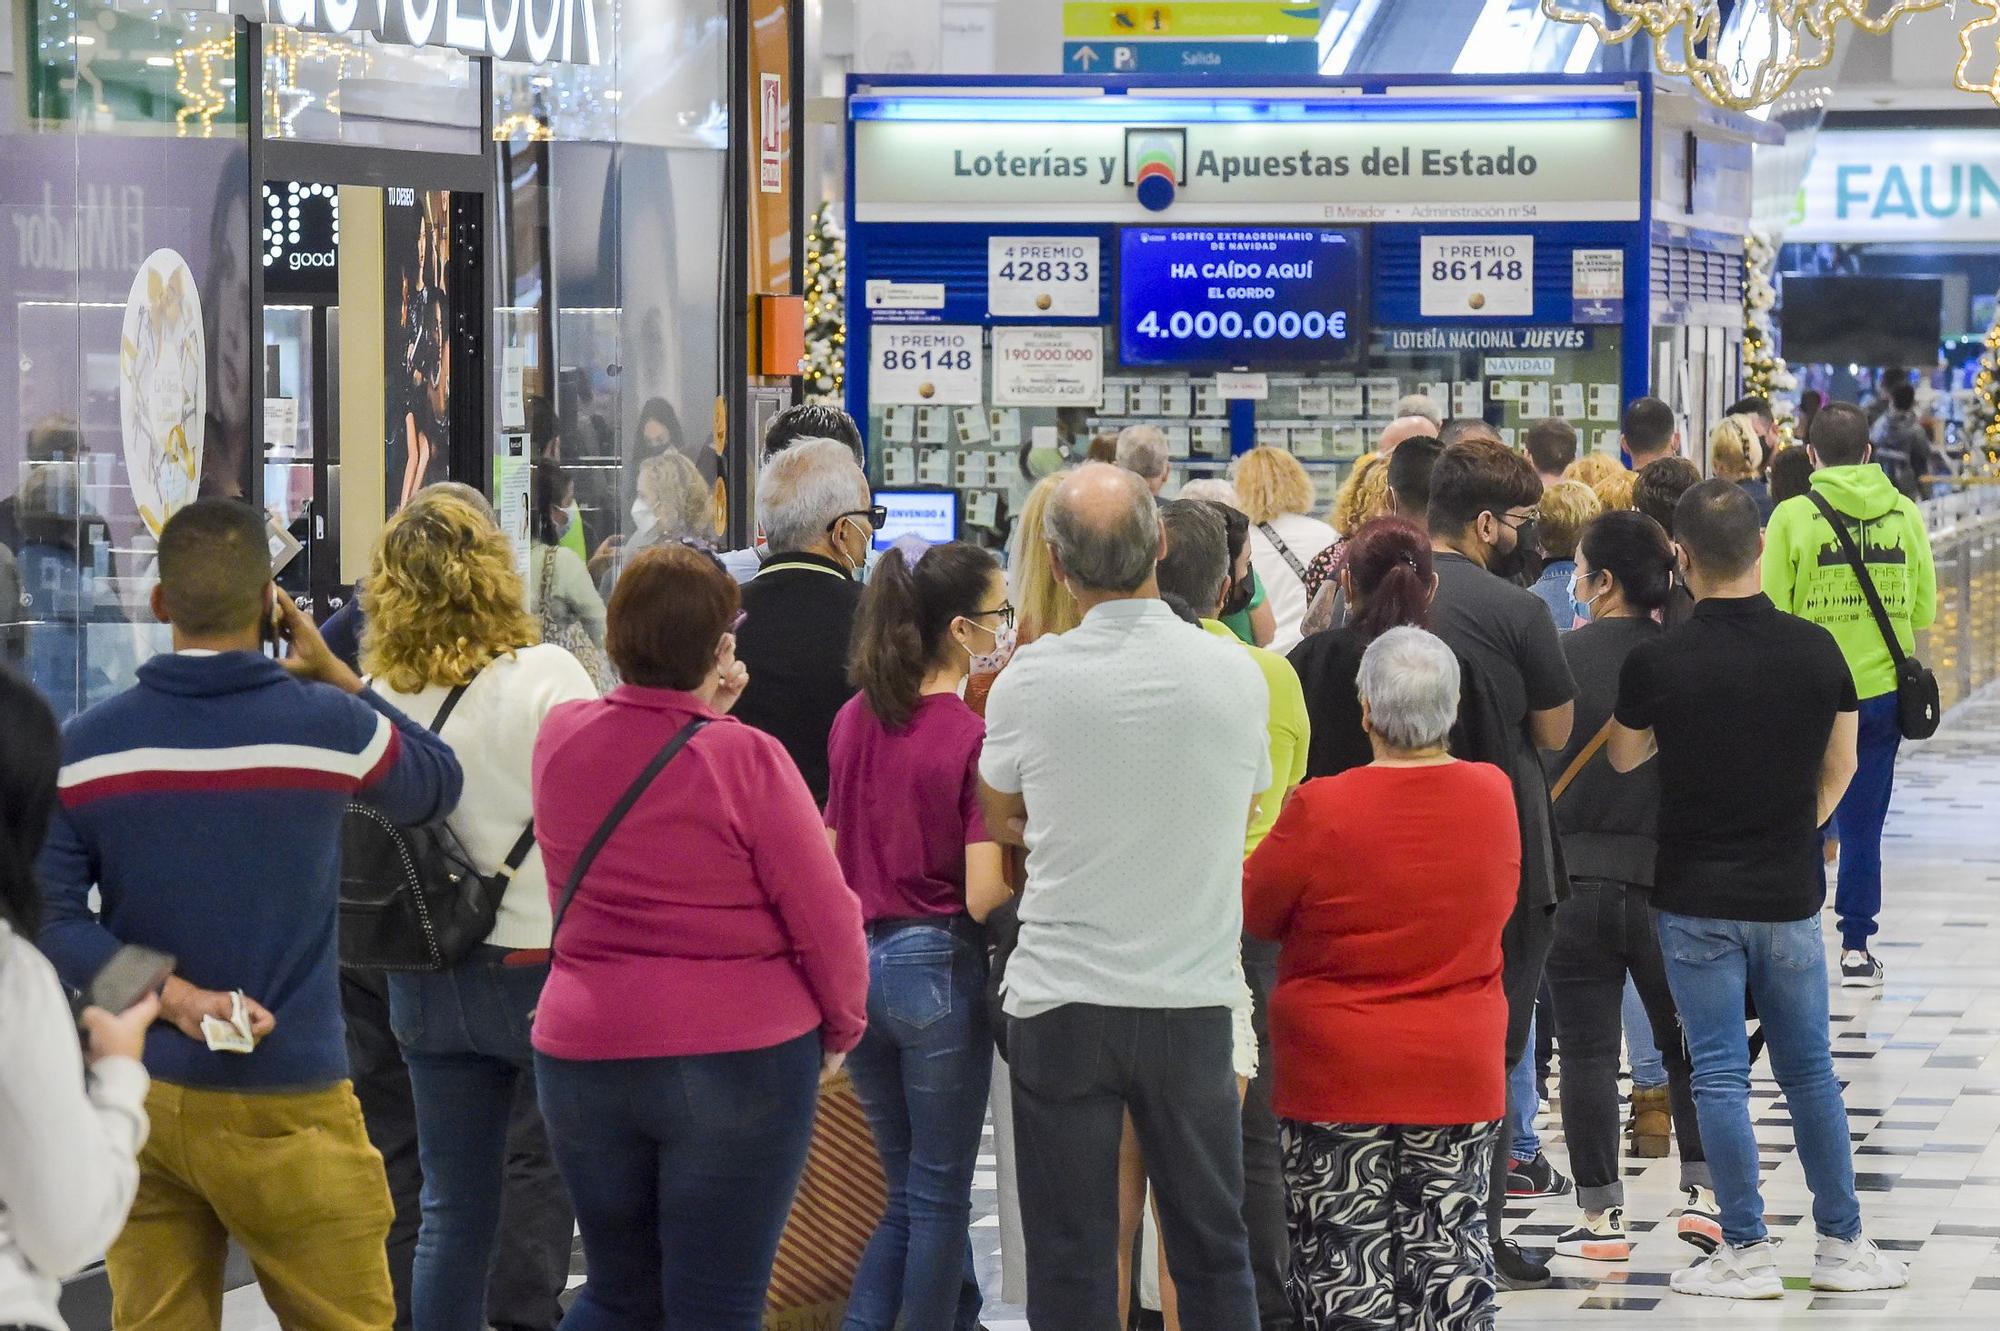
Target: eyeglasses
1005, 611
1519, 520
877, 515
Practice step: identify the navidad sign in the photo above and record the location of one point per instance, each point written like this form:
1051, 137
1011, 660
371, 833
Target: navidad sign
984, 158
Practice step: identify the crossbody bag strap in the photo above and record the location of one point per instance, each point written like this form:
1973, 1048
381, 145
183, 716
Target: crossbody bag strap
1582, 759
617, 815
450, 705
1284, 551
1855, 562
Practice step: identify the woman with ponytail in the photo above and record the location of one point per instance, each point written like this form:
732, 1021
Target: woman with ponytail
1387, 582
903, 813
1604, 932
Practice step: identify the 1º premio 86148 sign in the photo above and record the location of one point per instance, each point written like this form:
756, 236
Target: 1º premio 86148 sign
926, 363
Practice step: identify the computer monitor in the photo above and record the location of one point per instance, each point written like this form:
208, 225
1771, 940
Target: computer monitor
930, 515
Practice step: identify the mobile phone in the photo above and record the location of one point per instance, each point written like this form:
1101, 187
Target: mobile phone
131, 974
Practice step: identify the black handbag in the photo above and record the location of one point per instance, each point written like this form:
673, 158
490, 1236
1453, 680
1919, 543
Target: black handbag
1918, 708
410, 897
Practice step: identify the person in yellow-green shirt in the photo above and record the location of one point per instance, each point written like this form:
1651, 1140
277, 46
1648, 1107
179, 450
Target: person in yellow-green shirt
1806, 573
1205, 541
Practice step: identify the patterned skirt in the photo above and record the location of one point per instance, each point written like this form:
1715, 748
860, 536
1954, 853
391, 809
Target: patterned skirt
1388, 1226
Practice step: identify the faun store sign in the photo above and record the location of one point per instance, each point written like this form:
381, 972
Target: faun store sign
1469, 168
539, 31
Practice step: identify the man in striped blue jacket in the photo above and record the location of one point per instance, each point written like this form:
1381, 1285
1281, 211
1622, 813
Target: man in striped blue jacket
204, 806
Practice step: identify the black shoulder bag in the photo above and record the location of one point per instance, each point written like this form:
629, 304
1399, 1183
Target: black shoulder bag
617, 816
410, 897
1284, 551
1918, 709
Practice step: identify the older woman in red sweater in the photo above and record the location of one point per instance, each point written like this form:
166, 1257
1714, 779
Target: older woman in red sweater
709, 967
1386, 888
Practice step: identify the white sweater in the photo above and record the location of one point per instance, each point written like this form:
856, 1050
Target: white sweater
492, 730
69, 1145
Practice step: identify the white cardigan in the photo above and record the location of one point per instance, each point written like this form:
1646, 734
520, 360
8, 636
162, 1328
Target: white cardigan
69, 1143
492, 730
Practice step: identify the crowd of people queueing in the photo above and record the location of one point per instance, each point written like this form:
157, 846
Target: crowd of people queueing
1191, 889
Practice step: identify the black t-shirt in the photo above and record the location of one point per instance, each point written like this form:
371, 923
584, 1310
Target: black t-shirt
1506, 632
798, 617
1606, 819
1328, 664
1742, 700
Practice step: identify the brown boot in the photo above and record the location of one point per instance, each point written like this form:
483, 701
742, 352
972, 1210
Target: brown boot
1652, 1124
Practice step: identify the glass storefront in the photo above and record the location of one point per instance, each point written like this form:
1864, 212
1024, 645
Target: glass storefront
126, 255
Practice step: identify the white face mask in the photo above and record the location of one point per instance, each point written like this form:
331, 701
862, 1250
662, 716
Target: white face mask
642, 514
991, 663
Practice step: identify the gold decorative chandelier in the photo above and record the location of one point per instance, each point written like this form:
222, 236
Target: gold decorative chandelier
1776, 42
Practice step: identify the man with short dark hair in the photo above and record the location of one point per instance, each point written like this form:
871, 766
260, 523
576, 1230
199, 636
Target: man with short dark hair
1551, 447
1657, 493
1410, 469
1482, 524
1196, 569
1806, 572
1758, 409
204, 806
1752, 714
1649, 432
1120, 991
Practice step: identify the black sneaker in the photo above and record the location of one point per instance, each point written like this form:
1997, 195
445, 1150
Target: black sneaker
1515, 1269
1537, 1178
1859, 970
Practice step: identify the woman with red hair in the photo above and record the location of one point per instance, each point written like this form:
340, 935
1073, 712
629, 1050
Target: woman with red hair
1387, 582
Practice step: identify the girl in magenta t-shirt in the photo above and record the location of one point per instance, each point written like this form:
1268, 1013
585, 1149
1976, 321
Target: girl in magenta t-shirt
903, 811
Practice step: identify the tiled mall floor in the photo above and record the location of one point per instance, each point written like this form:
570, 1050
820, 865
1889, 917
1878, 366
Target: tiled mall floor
1923, 1096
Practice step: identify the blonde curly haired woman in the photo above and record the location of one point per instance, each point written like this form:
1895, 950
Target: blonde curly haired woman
1735, 454
449, 639
1593, 468
1278, 495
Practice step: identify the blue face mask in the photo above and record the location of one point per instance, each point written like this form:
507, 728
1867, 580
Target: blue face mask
1581, 609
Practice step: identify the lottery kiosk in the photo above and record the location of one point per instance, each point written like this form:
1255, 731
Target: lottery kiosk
1036, 263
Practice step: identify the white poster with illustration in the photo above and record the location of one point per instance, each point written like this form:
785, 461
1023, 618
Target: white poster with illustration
162, 387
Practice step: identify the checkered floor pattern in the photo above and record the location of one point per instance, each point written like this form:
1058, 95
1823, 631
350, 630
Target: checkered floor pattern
1921, 1063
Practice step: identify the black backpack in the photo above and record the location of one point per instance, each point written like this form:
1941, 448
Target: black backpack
410, 897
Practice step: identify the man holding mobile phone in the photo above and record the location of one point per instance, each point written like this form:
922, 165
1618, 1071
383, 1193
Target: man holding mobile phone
204, 805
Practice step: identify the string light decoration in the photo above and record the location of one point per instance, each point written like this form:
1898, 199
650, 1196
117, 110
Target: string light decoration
1962, 75
824, 365
1765, 373
1791, 36
1983, 411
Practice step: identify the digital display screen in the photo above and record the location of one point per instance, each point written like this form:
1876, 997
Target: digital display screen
1250, 296
929, 515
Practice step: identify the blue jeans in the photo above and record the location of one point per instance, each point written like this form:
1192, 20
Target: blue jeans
683, 1171
464, 1034
1524, 1101
1711, 964
1862, 811
1649, 1071
922, 1072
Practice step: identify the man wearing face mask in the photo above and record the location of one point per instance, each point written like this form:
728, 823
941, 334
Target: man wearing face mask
819, 522
1483, 515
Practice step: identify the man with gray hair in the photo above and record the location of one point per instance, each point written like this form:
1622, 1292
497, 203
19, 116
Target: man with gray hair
1127, 755
1423, 406
819, 521
1142, 450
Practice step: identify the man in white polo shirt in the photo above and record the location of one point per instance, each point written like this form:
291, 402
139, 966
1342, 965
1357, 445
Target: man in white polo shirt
1127, 755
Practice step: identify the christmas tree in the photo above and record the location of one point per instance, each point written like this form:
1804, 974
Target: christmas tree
1764, 372
1982, 413
825, 363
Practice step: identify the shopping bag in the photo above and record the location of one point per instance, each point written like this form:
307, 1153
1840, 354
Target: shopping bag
840, 1201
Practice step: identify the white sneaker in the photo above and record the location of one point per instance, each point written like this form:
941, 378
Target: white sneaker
1749, 1272
1847, 1267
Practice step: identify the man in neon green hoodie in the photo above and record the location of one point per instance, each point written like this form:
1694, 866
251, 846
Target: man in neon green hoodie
1806, 572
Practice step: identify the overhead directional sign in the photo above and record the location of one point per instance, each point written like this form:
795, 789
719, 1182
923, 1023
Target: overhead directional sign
1176, 57
1293, 19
